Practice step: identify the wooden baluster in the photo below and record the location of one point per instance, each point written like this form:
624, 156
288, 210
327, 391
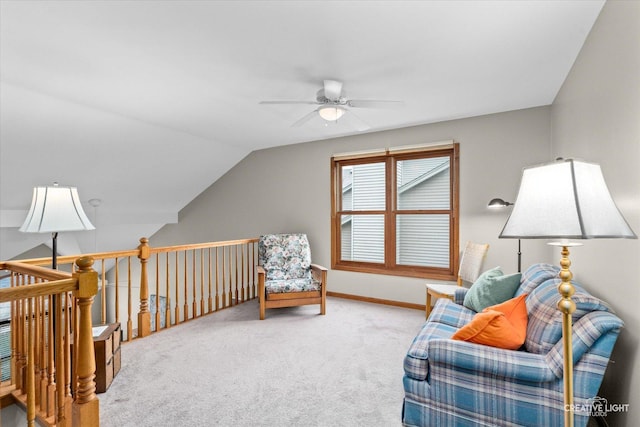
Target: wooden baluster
129, 302
14, 334
194, 306
23, 341
117, 292
230, 278
248, 272
144, 315
31, 385
70, 328
242, 284
157, 292
210, 300
236, 259
202, 282
59, 356
51, 383
254, 262
36, 351
186, 287
86, 410
217, 293
103, 297
224, 288
177, 291
167, 313
43, 355
19, 333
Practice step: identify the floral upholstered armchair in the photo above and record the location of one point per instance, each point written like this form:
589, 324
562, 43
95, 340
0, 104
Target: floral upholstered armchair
286, 277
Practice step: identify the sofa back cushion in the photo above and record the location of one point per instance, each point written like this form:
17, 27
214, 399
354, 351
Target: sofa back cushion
536, 275
544, 328
285, 256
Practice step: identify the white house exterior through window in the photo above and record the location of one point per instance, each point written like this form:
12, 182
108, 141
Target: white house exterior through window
396, 212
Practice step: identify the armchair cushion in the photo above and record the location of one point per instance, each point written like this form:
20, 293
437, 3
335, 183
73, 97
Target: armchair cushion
292, 285
285, 256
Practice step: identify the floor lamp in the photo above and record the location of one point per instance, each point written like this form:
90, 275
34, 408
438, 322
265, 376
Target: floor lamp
54, 209
501, 204
565, 199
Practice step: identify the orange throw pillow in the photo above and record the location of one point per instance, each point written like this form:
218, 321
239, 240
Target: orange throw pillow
515, 310
503, 325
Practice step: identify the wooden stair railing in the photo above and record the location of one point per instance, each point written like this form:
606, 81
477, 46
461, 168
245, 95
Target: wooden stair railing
189, 280
42, 378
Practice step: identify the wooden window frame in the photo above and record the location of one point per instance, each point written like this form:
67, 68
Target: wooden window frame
390, 157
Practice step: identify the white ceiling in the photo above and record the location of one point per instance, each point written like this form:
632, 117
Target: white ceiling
144, 104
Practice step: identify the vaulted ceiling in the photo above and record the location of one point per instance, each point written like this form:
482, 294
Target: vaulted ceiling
144, 104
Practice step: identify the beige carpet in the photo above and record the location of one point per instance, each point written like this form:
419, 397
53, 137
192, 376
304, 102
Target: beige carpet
296, 368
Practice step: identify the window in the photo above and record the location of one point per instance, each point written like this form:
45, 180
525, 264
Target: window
396, 212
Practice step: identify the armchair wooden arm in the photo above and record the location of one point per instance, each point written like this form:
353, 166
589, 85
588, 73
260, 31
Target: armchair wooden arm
320, 273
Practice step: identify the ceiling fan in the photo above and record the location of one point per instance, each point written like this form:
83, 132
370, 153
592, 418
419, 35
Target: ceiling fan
333, 104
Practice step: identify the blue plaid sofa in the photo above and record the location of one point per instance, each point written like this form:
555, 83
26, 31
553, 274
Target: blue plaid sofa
458, 383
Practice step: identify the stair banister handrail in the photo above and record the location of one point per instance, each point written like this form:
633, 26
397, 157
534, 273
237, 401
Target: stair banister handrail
83, 283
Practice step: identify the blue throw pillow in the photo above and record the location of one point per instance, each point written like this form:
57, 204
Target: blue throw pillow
491, 288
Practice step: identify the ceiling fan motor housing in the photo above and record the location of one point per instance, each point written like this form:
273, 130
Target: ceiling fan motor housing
322, 99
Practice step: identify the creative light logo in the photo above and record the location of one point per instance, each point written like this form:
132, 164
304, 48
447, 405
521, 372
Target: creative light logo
597, 407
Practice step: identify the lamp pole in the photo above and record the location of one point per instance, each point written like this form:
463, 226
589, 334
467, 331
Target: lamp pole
498, 203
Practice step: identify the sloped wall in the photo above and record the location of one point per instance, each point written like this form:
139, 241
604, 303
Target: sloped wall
596, 117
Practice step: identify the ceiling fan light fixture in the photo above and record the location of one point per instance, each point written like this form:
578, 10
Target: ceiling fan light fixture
331, 113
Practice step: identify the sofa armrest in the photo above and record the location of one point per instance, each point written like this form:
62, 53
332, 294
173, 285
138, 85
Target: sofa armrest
495, 362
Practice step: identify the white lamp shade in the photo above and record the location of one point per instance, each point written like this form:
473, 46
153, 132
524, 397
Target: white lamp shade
566, 200
55, 209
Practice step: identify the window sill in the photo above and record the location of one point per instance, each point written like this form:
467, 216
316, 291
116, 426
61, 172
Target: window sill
422, 273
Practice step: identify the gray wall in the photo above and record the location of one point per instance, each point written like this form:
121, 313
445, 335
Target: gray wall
596, 117
287, 189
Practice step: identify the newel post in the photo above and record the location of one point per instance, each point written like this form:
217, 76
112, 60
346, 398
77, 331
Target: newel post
86, 409
144, 316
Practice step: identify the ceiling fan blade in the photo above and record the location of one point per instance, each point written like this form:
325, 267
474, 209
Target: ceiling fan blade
304, 119
332, 89
374, 103
358, 123
290, 102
